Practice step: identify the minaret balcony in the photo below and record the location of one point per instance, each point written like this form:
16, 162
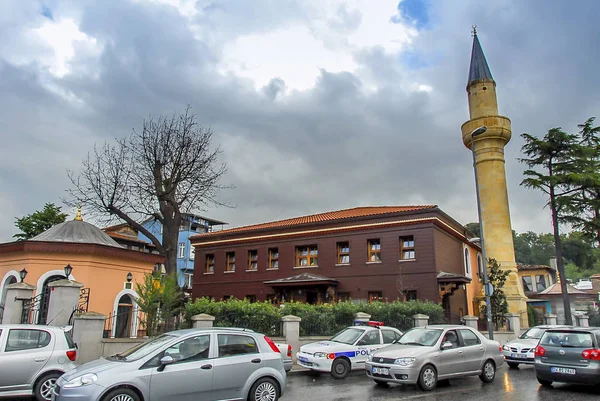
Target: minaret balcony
498, 127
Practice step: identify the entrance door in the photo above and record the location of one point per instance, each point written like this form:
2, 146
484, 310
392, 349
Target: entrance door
44, 301
124, 317
312, 297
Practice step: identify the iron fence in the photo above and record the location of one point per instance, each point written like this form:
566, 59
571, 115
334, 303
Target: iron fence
323, 325
35, 310
125, 324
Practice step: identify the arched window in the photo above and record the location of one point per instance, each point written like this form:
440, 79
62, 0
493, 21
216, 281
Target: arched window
467, 262
479, 267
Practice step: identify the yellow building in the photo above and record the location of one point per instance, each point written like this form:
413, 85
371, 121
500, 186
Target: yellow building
489, 155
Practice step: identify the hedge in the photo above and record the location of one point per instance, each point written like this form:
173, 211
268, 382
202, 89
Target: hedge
318, 320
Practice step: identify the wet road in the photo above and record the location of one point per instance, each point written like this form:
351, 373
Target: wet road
509, 385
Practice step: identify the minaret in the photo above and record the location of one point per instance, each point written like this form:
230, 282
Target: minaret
489, 156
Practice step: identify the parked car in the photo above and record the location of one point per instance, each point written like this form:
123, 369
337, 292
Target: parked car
347, 350
521, 350
425, 355
568, 355
286, 353
205, 364
32, 358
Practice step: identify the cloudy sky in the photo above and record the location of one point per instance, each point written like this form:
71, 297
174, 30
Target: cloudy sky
318, 104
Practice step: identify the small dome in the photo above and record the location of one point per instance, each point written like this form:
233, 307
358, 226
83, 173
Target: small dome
76, 231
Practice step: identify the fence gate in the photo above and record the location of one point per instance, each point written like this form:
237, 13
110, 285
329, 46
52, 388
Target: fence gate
34, 309
82, 304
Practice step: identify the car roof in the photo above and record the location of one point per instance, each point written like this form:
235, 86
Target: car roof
34, 326
444, 326
574, 328
373, 327
185, 332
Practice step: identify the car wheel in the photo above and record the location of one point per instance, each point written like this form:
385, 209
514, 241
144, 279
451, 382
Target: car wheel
545, 383
264, 389
45, 386
427, 378
380, 383
121, 394
340, 368
512, 365
488, 373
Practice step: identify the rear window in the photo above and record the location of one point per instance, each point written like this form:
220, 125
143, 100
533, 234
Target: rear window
573, 339
21, 339
70, 342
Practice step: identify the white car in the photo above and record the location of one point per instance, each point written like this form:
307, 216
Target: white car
347, 350
521, 350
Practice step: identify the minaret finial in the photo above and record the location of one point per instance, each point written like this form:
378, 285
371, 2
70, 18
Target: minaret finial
78, 217
474, 30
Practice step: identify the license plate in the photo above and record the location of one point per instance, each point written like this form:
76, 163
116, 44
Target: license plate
523, 356
303, 359
566, 371
380, 371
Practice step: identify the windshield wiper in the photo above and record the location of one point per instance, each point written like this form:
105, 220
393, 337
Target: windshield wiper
118, 357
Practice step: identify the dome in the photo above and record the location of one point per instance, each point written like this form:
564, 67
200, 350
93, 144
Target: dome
76, 231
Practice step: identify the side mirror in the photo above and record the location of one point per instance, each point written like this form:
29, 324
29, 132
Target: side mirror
447, 345
164, 361
362, 342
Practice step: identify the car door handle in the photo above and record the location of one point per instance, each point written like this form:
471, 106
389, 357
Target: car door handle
460, 352
480, 348
40, 359
206, 367
256, 360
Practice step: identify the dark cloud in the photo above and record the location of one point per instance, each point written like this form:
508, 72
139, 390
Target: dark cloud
355, 138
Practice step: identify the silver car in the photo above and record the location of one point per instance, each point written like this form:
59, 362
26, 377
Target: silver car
183, 365
424, 355
32, 358
521, 350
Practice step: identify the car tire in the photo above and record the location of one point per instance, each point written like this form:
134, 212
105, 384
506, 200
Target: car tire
427, 378
121, 394
44, 386
544, 383
512, 365
340, 368
264, 389
380, 383
488, 371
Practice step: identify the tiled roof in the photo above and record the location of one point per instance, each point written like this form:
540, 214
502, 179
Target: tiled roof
445, 277
128, 238
522, 266
362, 211
302, 278
556, 290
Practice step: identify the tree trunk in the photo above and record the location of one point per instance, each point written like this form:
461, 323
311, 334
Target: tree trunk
559, 259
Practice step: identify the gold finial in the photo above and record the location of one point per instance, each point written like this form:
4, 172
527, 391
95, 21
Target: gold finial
474, 31
78, 217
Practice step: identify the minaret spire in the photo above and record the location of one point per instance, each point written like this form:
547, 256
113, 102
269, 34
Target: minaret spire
479, 68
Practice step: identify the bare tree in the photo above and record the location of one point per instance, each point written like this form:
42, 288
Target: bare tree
166, 169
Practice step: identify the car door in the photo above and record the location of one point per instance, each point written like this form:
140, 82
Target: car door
189, 377
473, 350
367, 344
237, 358
26, 352
450, 360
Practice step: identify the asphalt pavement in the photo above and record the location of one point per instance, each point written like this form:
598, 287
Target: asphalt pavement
509, 385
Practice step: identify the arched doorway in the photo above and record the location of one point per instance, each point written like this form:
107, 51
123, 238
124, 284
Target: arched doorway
44, 300
7, 281
124, 317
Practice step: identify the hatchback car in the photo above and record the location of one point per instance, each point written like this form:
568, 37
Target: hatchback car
32, 358
424, 355
521, 350
182, 365
347, 350
568, 355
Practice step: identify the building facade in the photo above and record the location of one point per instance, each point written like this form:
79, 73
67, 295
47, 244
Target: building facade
191, 224
360, 254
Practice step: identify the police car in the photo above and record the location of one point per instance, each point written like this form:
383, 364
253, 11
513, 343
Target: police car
347, 350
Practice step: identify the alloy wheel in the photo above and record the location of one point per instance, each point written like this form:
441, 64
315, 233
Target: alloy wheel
429, 377
47, 388
266, 391
122, 397
489, 371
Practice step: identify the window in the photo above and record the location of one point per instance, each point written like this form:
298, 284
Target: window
375, 296
540, 283
19, 340
190, 349
479, 267
189, 279
407, 248
451, 337
467, 262
210, 263
343, 253
192, 252
307, 256
251, 298
373, 250
389, 336
231, 345
273, 258
527, 284
410, 295
343, 296
181, 250
469, 338
370, 338
253, 260
230, 262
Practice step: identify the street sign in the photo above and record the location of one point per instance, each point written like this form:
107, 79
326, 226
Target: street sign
489, 289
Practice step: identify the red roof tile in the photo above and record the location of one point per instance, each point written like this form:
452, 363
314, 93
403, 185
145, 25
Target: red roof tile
362, 211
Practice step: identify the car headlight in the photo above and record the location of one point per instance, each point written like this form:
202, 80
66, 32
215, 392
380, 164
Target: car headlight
405, 361
83, 380
370, 357
320, 355
505, 348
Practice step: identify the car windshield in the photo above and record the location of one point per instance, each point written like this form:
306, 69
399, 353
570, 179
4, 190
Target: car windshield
348, 336
141, 350
565, 339
533, 333
420, 336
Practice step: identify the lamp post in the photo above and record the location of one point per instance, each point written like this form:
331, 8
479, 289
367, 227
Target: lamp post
23, 274
68, 270
486, 284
